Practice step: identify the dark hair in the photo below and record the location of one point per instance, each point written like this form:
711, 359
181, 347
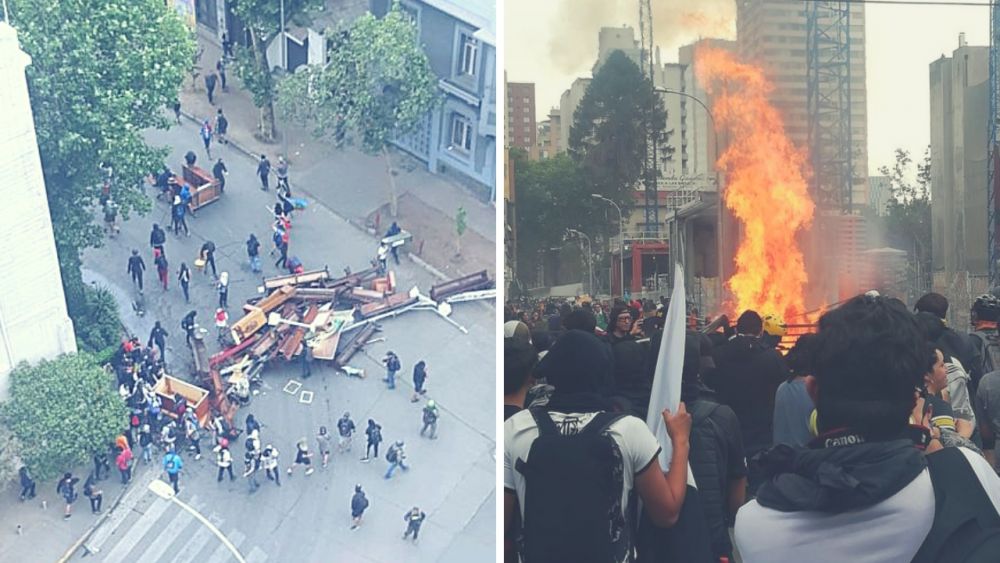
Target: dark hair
580, 319
870, 357
933, 303
565, 309
519, 358
615, 313
542, 339
802, 357
749, 323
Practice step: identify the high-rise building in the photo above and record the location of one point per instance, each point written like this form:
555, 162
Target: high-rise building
959, 109
34, 324
520, 110
878, 193
773, 34
568, 103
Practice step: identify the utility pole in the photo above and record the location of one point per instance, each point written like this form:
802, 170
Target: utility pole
590, 258
284, 68
621, 237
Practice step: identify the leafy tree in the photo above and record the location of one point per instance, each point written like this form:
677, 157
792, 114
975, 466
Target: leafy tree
552, 195
908, 213
98, 327
378, 83
10, 455
460, 226
618, 115
95, 85
61, 411
263, 20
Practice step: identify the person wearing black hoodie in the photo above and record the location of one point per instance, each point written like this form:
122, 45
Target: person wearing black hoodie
579, 367
746, 376
866, 488
157, 238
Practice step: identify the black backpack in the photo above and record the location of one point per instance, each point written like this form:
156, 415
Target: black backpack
573, 494
966, 526
391, 455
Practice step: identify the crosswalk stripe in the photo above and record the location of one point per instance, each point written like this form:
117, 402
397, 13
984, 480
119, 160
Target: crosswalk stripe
256, 555
222, 553
120, 513
191, 549
134, 534
167, 533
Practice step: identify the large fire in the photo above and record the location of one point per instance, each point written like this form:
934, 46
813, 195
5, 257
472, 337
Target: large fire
765, 187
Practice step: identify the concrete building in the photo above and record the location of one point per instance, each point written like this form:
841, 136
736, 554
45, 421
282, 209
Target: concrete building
459, 136
959, 110
34, 324
521, 129
568, 103
772, 33
878, 193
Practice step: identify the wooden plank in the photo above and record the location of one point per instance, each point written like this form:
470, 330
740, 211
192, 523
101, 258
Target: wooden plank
326, 349
394, 301
264, 344
291, 344
355, 344
232, 351
355, 279
367, 295
248, 325
471, 282
276, 299
312, 276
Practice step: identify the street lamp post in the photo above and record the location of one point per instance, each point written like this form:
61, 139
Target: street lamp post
621, 237
166, 492
590, 258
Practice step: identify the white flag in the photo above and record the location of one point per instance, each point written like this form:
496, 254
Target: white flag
666, 392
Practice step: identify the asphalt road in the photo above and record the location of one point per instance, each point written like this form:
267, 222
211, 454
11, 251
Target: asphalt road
452, 478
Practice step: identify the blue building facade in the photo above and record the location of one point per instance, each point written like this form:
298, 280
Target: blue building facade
459, 136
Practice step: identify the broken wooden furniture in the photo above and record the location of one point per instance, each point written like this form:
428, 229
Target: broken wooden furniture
204, 188
305, 278
169, 388
472, 282
354, 344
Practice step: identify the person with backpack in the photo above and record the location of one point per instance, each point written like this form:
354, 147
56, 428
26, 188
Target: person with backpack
178, 216
157, 238
430, 418
281, 239
172, 465
146, 443
414, 518
188, 325
124, 463
396, 456
253, 253
93, 493
207, 254
345, 427
374, 434
269, 460
251, 464
192, 431
27, 484
219, 172
302, 457
159, 337
871, 486
571, 467
359, 503
223, 460
392, 366
221, 126
67, 489
135, 268
251, 423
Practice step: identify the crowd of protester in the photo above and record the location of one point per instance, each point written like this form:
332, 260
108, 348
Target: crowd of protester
870, 439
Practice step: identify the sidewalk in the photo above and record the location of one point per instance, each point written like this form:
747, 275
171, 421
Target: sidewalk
354, 184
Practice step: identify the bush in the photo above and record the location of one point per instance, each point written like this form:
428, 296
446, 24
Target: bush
10, 455
97, 323
61, 412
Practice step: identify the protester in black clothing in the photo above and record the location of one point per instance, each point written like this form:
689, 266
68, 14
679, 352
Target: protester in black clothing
157, 237
253, 253
220, 67
159, 336
227, 46
27, 484
101, 464
187, 323
251, 424
951, 342
67, 489
93, 493
210, 82
359, 503
208, 255
374, 433
264, 172
394, 230
135, 268
184, 276
746, 376
414, 519
219, 171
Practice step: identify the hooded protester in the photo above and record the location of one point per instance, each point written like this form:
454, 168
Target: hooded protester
359, 503
570, 446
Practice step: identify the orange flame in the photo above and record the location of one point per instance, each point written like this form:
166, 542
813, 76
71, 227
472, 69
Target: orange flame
765, 186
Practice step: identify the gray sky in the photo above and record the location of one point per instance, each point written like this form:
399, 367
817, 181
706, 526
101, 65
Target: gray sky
550, 42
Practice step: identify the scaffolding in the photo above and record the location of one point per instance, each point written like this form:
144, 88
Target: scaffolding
650, 166
828, 54
992, 172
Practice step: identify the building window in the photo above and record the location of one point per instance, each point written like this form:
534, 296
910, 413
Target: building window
461, 133
470, 55
526, 119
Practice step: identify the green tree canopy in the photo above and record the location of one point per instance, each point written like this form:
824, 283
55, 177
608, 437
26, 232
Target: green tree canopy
378, 84
62, 411
101, 72
908, 214
263, 19
617, 116
552, 195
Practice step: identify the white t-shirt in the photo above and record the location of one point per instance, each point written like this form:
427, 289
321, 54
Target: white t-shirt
887, 532
638, 446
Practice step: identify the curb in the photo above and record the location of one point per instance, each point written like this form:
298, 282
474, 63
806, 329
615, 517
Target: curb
90, 531
252, 156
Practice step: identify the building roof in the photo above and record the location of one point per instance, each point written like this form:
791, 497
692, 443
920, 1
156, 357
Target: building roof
480, 13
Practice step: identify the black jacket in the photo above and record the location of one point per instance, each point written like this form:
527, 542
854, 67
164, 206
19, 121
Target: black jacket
746, 377
359, 502
135, 265
157, 237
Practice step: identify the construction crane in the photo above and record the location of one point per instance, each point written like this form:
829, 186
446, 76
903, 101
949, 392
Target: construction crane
993, 159
650, 166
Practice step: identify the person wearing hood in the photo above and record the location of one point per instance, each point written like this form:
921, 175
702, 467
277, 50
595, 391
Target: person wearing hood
253, 253
746, 376
359, 503
569, 514
870, 486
